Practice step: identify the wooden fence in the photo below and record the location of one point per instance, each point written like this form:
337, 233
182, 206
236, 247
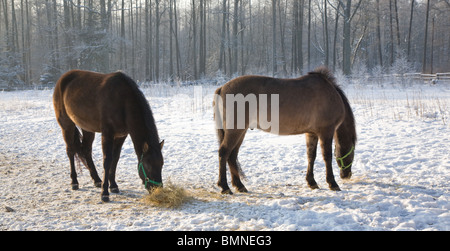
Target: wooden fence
437, 78
429, 78
407, 78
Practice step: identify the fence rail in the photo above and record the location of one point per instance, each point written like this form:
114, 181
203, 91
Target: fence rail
436, 78
429, 78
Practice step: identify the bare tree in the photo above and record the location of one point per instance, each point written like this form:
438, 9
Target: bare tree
297, 37
222, 55
410, 29
234, 65
348, 14
424, 60
380, 50
41, 38
274, 37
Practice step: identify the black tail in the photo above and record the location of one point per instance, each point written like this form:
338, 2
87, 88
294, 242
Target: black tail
78, 146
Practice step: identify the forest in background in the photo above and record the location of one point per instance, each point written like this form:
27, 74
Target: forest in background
178, 40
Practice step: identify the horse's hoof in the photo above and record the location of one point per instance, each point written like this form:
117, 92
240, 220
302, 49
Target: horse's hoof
98, 184
315, 186
105, 198
75, 187
227, 191
114, 190
335, 188
243, 190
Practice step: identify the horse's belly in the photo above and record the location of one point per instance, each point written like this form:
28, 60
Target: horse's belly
87, 123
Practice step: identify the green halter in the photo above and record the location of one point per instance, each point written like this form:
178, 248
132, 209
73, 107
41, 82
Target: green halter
341, 159
147, 179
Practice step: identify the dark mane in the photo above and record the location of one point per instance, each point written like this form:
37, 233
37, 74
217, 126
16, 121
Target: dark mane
147, 112
325, 73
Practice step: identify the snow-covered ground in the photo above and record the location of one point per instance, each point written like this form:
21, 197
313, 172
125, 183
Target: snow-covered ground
400, 177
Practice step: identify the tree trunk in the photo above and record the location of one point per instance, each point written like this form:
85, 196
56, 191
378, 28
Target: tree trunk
222, 58
282, 41
309, 36
235, 37
410, 29
274, 38
380, 53
346, 43
171, 40
147, 39
176, 39
157, 42
336, 25
397, 23
123, 57
424, 60
325, 23
194, 31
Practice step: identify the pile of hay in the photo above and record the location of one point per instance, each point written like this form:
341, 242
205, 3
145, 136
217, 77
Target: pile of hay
169, 196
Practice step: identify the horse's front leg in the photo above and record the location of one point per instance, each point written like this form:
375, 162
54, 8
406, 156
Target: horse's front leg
118, 142
311, 150
107, 145
327, 152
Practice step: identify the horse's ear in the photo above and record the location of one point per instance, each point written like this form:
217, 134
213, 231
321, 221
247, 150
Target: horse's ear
161, 144
145, 147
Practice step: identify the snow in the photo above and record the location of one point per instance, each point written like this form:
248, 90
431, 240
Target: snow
400, 173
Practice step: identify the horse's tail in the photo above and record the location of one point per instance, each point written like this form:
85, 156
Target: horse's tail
218, 117
78, 147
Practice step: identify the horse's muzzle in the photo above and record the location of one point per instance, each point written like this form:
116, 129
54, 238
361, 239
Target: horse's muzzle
345, 174
150, 186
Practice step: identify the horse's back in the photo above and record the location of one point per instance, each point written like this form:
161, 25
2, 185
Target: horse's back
86, 97
306, 104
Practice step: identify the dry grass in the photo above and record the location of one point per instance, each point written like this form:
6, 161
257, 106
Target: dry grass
169, 196
403, 105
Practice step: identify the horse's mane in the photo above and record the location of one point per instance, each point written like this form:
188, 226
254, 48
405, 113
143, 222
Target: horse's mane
325, 73
149, 121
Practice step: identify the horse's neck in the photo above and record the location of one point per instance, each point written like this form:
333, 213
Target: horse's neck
141, 125
345, 135
141, 136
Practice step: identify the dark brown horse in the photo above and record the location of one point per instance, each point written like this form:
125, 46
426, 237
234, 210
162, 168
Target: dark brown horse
113, 105
313, 104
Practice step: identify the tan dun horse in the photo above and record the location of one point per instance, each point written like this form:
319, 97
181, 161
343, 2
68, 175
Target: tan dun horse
113, 105
312, 104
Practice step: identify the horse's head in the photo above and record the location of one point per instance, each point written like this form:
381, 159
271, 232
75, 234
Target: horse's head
344, 158
150, 166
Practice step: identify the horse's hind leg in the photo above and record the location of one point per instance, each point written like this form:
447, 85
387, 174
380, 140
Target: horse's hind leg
222, 183
86, 145
230, 140
235, 168
311, 149
69, 135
